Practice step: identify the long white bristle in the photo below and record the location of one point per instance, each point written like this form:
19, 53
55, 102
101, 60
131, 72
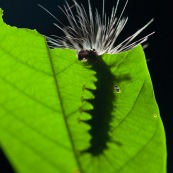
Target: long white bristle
93, 31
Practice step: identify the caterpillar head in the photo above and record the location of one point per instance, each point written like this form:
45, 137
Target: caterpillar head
85, 55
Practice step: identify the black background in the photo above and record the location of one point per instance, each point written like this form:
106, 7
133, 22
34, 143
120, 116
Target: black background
26, 14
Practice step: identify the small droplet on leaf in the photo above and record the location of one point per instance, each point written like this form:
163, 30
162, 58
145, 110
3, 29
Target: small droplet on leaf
155, 115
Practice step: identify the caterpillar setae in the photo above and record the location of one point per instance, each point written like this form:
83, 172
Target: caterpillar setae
92, 34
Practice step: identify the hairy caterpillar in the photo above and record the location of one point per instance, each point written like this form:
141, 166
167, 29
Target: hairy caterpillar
93, 34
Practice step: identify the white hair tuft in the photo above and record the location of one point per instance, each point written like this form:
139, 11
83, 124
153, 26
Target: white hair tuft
88, 31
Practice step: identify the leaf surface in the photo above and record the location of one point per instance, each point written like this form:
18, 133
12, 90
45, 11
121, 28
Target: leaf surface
58, 114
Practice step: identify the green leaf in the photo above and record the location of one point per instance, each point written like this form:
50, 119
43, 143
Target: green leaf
60, 115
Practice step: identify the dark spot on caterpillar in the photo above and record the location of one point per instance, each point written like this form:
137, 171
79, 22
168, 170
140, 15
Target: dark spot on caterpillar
85, 55
117, 89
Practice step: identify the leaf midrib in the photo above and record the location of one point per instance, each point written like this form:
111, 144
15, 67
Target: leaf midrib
63, 110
